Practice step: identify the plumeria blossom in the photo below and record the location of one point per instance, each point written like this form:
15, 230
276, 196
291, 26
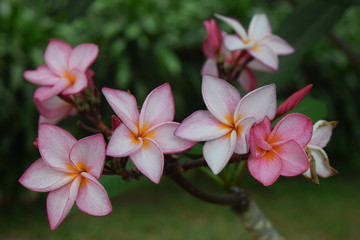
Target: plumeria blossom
214, 42
64, 71
279, 151
226, 124
258, 40
146, 136
69, 170
319, 161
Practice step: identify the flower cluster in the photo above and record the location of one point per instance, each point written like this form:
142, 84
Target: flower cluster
232, 125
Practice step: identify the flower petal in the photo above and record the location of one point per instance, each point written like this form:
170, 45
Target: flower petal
47, 92
266, 169
78, 82
265, 55
158, 107
233, 42
210, 68
122, 142
125, 106
322, 132
258, 66
234, 24
54, 145
294, 158
89, 154
294, 126
57, 55
54, 107
220, 97
322, 164
242, 135
42, 75
60, 201
218, 152
247, 79
259, 27
83, 55
42, 178
92, 197
278, 45
149, 160
201, 126
259, 103
163, 135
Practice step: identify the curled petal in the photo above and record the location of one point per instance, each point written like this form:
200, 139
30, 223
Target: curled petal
265, 55
54, 145
42, 178
322, 164
158, 107
218, 152
201, 126
46, 92
278, 45
60, 201
57, 55
243, 128
294, 158
220, 97
234, 24
266, 169
92, 197
294, 126
247, 79
77, 82
42, 75
82, 56
259, 27
122, 142
259, 103
125, 106
149, 160
163, 135
54, 108
89, 154
322, 132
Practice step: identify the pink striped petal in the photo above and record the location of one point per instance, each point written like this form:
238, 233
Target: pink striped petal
294, 126
322, 164
242, 134
89, 154
149, 160
54, 145
210, 68
82, 56
201, 126
259, 103
125, 106
294, 158
234, 24
42, 75
163, 135
265, 169
278, 45
265, 55
247, 79
220, 97
123, 142
218, 152
57, 55
259, 27
60, 201
233, 42
79, 84
322, 132
45, 93
158, 107
40, 177
92, 197
292, 101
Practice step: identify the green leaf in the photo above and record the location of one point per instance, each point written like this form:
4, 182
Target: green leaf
302, 29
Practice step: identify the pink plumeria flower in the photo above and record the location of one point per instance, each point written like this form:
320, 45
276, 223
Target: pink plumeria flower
69, 170
258, 41
319, 161
146, 136
64, 71
279, 151
225, 126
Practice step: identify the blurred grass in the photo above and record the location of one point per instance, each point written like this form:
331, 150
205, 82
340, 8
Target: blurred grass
299, 209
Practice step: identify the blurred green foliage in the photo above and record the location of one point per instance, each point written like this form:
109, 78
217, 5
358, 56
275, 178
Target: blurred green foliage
145, 43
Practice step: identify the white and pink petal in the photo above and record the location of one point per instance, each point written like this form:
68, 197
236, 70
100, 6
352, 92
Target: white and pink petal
82, 56
57, 56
